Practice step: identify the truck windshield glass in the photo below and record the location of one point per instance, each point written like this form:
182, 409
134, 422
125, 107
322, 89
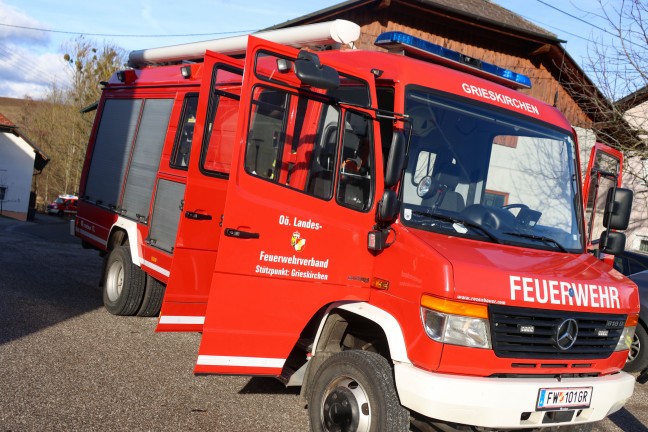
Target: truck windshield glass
481, 173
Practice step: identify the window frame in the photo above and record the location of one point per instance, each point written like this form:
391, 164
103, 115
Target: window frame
213, 104
182, 122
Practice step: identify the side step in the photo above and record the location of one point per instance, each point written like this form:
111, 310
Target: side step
295, 367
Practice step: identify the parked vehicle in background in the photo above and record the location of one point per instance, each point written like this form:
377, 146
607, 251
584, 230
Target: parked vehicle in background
63, 205
630, 262
638, 355
635, 265
390, 231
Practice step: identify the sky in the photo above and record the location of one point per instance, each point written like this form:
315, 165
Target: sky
33, 33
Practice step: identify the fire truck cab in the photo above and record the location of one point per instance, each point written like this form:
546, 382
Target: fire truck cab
403, 234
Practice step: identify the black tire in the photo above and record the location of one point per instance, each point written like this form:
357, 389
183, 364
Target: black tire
354, 391
638, 355
123, 287
153, 295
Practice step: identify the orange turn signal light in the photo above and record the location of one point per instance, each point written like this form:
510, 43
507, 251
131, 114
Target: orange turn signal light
632, 320
454, 307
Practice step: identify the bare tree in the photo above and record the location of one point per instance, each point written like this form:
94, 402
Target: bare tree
89, 65
56, 123
618, 62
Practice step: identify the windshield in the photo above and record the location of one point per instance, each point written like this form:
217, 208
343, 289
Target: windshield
481, 173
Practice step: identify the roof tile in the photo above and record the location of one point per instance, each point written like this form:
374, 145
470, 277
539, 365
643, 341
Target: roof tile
5, 122
491, 11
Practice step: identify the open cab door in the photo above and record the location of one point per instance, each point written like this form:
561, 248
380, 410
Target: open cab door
208, 163
300, 201
607, 206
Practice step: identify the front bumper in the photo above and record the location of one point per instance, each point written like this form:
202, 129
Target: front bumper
503, 402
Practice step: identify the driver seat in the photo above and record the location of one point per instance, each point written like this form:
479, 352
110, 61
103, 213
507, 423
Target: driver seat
451, 200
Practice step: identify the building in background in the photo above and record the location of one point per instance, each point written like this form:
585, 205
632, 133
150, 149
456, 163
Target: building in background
486, 31
20, 160
635, 112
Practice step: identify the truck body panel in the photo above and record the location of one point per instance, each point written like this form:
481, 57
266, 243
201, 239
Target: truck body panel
198, 237
285, 261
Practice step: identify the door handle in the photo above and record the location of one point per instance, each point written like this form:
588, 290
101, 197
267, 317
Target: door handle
197, 216
229, 232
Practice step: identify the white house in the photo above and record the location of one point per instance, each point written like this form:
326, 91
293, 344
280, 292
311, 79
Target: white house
635, 107
20, 160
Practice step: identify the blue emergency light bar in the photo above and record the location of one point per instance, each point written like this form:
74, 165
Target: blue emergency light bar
417, 47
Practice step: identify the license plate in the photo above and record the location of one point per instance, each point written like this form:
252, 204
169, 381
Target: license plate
564, 398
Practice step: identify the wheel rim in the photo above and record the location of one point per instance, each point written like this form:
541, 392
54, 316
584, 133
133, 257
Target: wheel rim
345, 407
115, 281
635, 347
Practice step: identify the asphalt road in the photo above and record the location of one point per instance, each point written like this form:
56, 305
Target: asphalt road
68, 365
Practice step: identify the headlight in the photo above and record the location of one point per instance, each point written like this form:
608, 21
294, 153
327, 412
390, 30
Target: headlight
455, 323
625, 341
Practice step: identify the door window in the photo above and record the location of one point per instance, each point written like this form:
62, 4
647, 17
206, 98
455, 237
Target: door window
293, 141
604, 177
266, 136
184, 138
356, 168
222, 117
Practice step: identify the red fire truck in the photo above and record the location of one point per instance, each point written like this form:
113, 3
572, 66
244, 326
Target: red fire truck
401, 233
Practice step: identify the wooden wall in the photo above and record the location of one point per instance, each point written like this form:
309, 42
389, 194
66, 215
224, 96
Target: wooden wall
474, 39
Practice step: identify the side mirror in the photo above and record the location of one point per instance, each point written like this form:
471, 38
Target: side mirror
387, 207
385, 214
617, 209
310, 71
395, 160
612, 243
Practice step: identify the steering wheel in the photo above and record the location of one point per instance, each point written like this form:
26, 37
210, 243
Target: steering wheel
514, 206
525, 218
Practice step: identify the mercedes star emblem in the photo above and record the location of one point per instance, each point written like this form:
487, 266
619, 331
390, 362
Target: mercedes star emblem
566, 334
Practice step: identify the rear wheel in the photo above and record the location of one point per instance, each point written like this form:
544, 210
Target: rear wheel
354, 391
123, 287
153, 295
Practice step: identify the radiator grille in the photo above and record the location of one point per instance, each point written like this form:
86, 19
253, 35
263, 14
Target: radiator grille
532, 333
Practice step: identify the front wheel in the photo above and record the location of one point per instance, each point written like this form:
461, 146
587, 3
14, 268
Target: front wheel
354, 391
638, 355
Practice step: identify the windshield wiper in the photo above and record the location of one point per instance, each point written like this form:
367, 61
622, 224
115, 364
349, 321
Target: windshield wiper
463, 222
544, 239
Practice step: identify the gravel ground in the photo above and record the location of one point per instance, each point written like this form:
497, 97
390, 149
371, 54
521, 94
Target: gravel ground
68, 365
